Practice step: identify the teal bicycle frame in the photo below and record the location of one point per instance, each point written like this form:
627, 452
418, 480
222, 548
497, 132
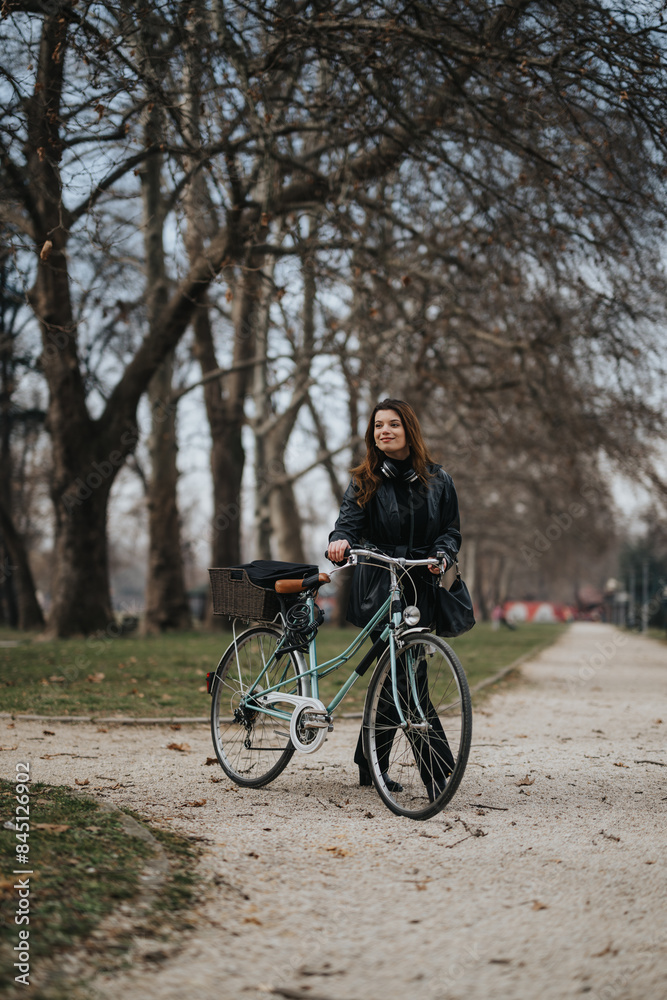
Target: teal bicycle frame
392, 631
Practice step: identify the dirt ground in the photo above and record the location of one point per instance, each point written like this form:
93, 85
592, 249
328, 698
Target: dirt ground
545, 877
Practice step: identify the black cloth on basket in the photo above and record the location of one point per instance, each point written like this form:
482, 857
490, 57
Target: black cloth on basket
265, 572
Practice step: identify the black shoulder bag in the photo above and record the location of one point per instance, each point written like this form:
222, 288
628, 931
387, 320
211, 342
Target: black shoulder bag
453, 608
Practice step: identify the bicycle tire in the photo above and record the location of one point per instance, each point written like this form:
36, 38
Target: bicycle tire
405, 762
252, 748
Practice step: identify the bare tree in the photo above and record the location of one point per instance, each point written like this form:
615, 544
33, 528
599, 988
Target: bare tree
525, 108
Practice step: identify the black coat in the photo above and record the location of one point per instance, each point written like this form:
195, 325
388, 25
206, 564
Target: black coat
381, 524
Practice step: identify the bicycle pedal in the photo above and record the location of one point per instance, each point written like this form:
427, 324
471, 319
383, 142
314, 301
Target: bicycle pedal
323, 722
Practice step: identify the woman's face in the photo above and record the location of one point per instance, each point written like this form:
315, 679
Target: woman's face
390, 434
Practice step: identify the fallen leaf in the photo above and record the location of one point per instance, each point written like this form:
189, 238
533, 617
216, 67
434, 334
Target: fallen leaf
55, 679
619, 763
182, 747
83, 781
539, 906
51, 827
176, 725
102, 729
48, 732
337, 852
605, 951
521, 736
210, 760
95, 678
196, 805
216, 780
203, 689
526, 781
252, 920
9, 748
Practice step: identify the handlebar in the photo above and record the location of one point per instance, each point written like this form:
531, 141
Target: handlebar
352, 556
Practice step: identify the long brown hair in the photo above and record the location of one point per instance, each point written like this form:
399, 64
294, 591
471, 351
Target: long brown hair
367, 474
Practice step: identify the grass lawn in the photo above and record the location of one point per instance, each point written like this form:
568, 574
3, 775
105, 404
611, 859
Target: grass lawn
165, 676
83, 863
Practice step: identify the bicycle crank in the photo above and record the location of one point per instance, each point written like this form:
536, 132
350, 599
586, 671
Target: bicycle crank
309, 722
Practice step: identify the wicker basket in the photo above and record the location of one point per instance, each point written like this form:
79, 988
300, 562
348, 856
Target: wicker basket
235, 595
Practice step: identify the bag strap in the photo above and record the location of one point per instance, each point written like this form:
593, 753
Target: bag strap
452, 574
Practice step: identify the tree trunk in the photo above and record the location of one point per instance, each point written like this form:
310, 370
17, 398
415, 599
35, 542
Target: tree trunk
275, 489
265, 462
166, 598
81, 598
224, 399
19, 603
286, 521
27, 610
224, 407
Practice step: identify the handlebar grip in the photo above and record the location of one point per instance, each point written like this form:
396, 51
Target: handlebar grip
342, 563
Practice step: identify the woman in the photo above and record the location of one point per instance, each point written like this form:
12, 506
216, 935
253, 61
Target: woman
400, 501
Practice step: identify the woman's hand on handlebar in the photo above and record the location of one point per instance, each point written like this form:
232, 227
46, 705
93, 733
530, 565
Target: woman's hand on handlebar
436, 570
337, 550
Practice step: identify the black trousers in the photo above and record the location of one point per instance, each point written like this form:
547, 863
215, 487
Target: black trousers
431, 750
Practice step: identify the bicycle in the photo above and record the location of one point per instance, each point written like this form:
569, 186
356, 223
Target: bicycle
417, 720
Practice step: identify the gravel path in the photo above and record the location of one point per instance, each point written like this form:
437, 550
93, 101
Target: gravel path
545, 877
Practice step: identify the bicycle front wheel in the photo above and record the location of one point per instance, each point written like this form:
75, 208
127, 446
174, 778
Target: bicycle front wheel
417, 764
252, 746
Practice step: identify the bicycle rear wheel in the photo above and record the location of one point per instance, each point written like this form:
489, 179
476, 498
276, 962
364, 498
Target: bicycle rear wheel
251, 746
417, 768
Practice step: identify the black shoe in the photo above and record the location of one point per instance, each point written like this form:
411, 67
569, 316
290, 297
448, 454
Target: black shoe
435, 789
365, 779
392, 786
